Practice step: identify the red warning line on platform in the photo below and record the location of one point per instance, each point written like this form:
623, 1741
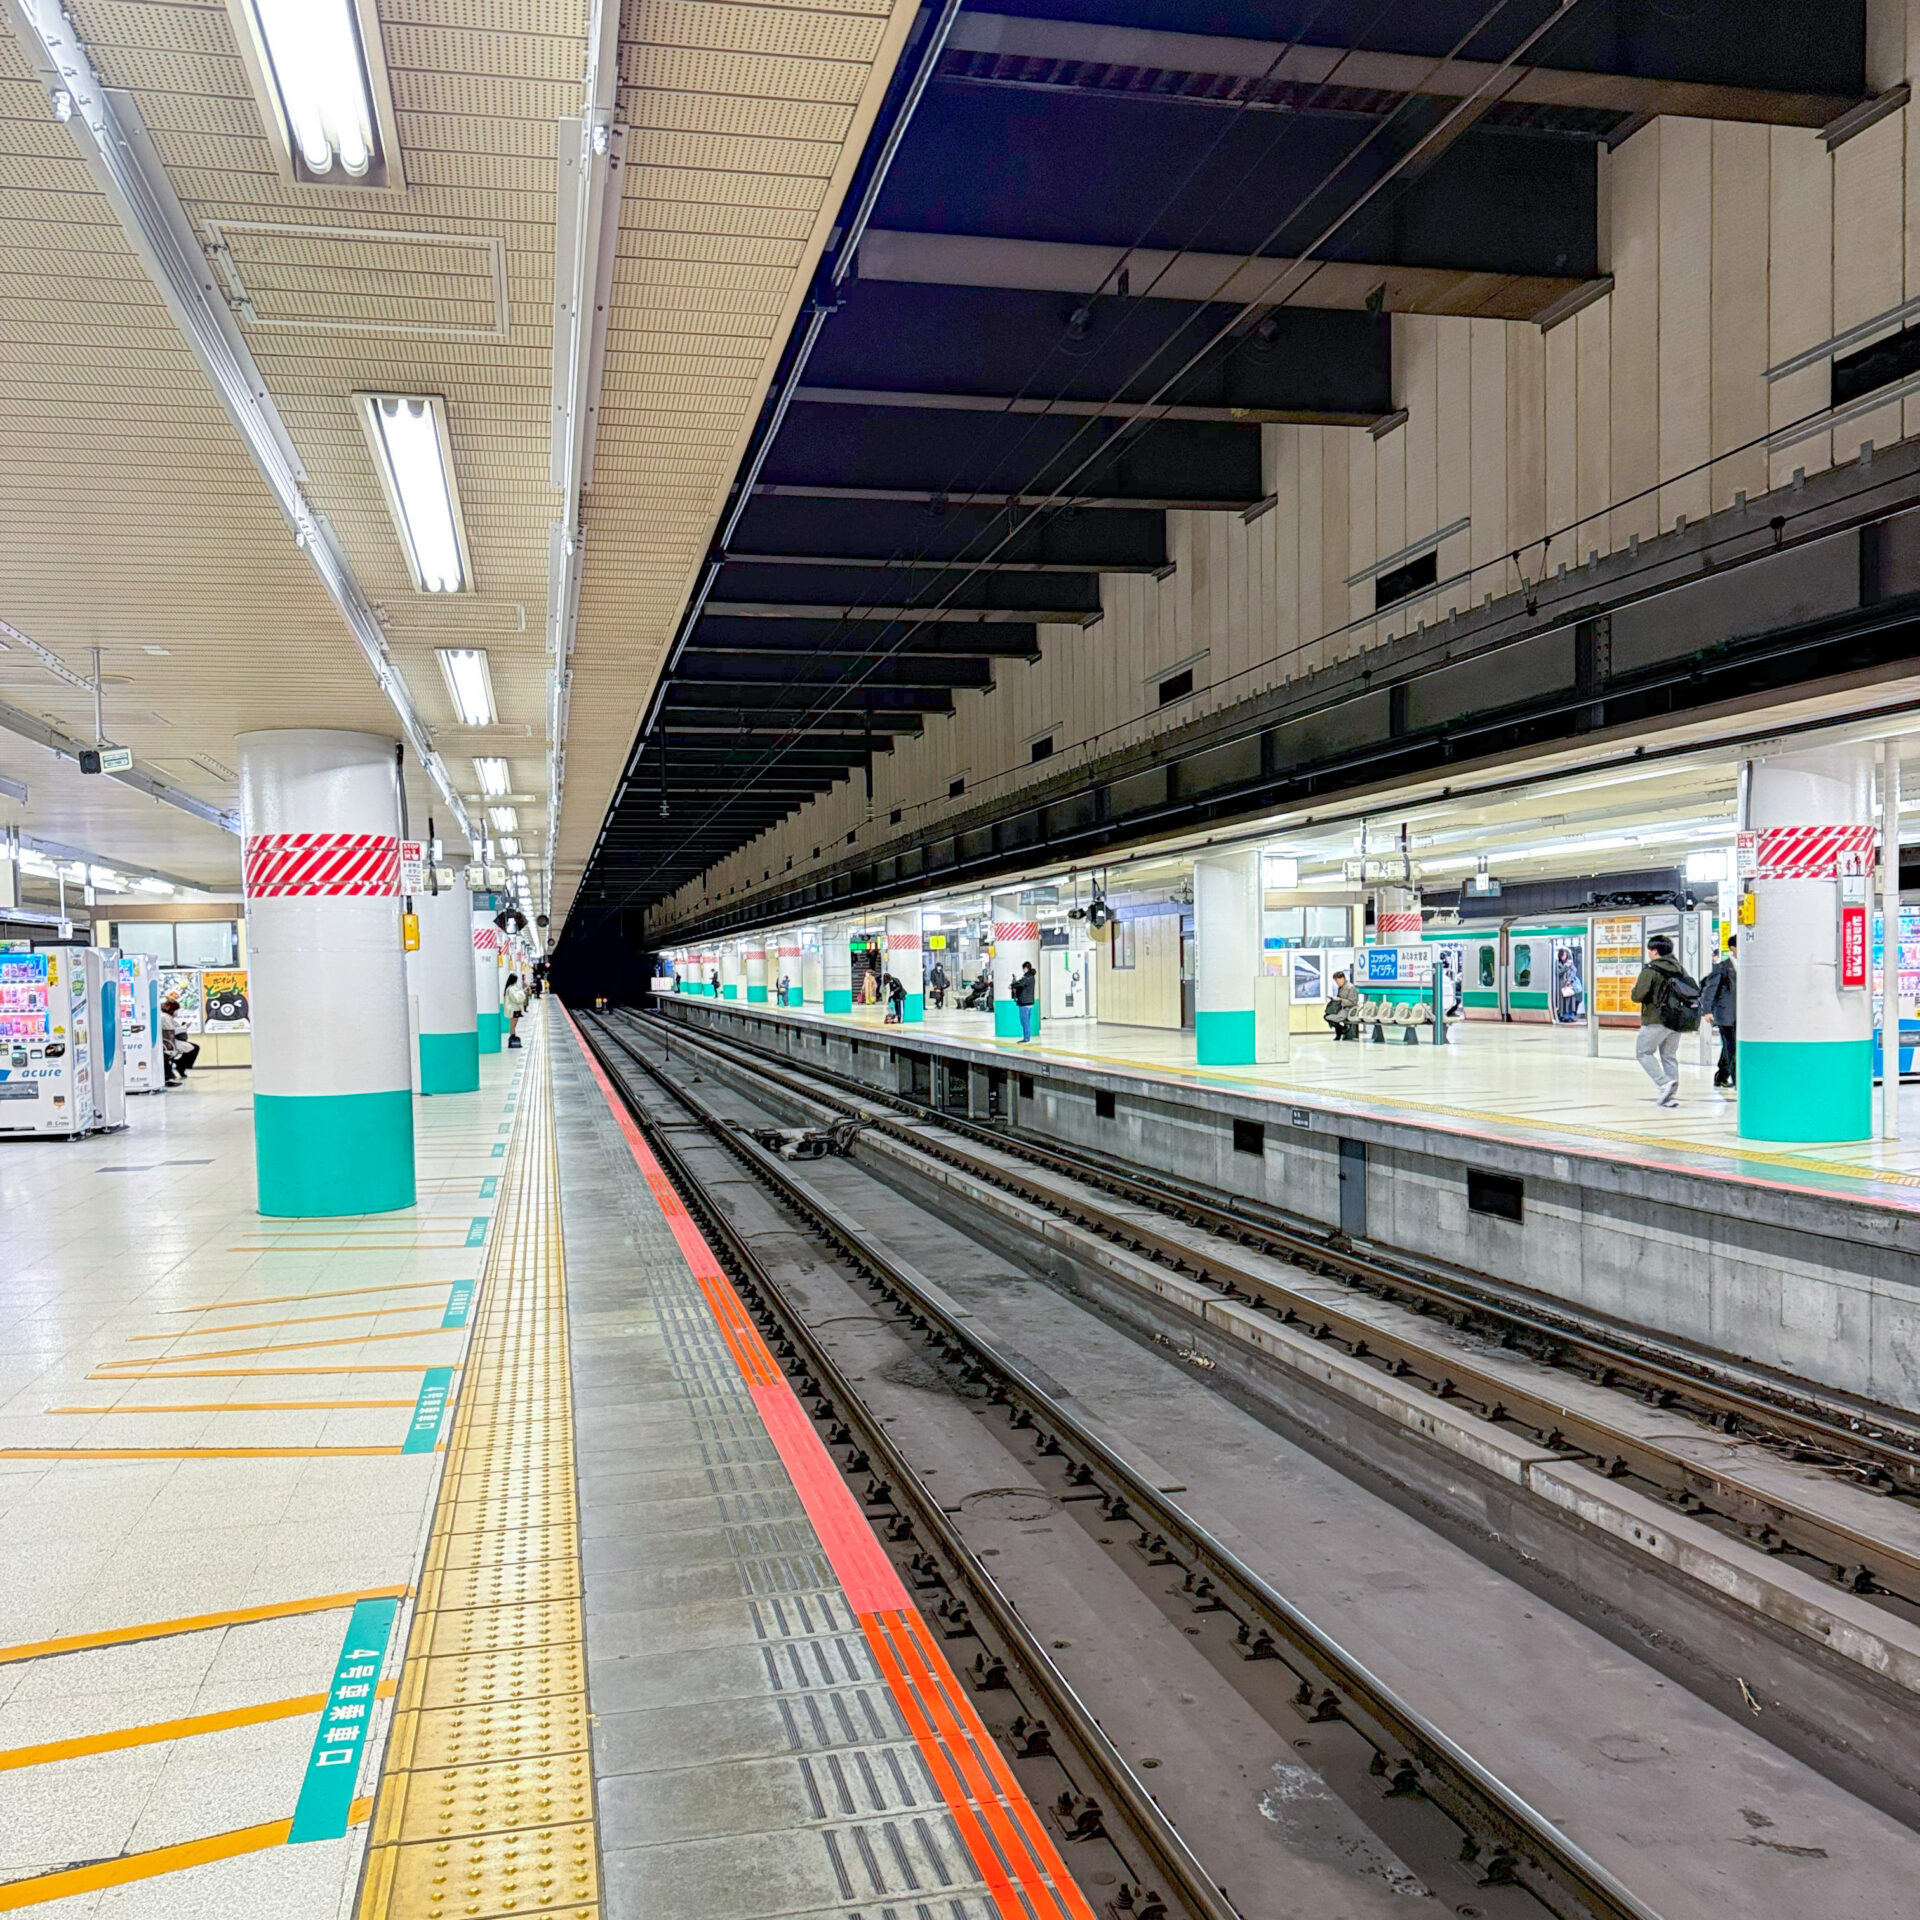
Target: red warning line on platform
1011, 1849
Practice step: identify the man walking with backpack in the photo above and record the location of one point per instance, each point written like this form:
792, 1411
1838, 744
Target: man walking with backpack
1669, 1003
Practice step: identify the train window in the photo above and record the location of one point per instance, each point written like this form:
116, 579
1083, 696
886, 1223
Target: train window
1486, 967
1523, 965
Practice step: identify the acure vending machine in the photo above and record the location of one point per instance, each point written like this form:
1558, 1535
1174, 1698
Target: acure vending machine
140, 1023
109, 1058
46, 1069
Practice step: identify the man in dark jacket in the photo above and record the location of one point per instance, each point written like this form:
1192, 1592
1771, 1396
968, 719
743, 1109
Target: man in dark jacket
1719, 1002
1025, 987
1658, 1046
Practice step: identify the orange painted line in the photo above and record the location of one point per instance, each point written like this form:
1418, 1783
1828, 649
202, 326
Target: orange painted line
184, 1453
127, 1867
156, 1731
194, 1623
297, 1299
238, 1406
292, 1320
285, 1346
259, 1373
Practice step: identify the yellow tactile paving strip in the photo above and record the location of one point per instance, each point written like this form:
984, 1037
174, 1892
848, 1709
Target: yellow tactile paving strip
485, 1807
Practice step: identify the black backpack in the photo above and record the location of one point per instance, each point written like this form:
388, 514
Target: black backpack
1679, 1003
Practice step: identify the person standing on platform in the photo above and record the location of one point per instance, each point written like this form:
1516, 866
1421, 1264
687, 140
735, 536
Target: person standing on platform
1719, 1002
1654, 990
937, 986
514, 1002
896, 991
1025, 988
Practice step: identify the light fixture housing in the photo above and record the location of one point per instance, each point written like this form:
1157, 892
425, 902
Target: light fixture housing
407, 434
319, 72
494, 775
470, 682
504, 819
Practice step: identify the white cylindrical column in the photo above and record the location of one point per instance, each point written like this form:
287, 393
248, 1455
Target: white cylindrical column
1016, 946
730, 970
1805, 1039
754, 955
332, 1074
1228, 956
440, 974
836, 968
1890, 1002
488, 974
788, 967
906, 961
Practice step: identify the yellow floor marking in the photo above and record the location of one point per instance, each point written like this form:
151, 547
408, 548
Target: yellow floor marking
120, 1738
291, 1320
299, 1299
448, 1245
262, 1373
114, 1367
238, 1406
194, 1623
125, 1868
186, 1453
486, 1797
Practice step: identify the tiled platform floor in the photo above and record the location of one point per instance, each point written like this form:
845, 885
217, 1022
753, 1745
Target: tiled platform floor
262, 1375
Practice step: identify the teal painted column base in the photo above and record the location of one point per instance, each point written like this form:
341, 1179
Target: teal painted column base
332, 1153
1809, 1091
730, 992
915, 1009
449, 1063
837, 1000
795, 998
1006, 1020
1223, 1039
756, 996
487, 1031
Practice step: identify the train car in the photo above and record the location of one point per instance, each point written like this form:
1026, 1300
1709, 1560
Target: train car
1519, 970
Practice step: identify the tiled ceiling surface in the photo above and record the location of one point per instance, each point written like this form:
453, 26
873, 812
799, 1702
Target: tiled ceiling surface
134, 518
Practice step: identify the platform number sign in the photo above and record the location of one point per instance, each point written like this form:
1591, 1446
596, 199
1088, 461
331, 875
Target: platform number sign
325, 1807
1853, 946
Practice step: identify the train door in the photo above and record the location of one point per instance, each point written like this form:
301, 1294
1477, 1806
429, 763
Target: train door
1482, 975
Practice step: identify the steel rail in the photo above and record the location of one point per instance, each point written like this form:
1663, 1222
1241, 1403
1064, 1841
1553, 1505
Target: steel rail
1513, 1839
836, 1398
1866, 1563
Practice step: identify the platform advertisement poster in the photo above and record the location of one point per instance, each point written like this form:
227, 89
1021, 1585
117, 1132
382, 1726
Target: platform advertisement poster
1309, 979
1616, 964
223, 1003
1909, 970
183, 984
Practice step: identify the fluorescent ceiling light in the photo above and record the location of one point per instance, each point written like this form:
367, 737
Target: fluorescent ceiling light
312, 59
516, 866
154, 886
470, 683
504, 819
510, 847
494, 779
408, 435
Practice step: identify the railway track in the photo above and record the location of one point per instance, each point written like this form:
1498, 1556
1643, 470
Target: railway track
1869, 1449
1498, 1850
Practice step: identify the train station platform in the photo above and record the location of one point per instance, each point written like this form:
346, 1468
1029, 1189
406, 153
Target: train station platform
1514, 1082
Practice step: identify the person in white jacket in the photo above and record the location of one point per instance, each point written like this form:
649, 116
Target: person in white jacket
514, 1001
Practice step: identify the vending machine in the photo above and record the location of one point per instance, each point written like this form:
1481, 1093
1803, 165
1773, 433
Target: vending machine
140, 1023
46, 1078
109, 1059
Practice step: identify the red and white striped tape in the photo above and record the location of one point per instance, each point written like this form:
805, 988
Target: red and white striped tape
903, 942
1812, 853
319, 865
1016, 930
1398, 922
486, 939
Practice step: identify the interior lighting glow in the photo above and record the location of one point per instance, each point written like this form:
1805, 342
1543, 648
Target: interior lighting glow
505, 819
409, 437
494, 779
470, 683
510, 847
154, 886
317, 67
